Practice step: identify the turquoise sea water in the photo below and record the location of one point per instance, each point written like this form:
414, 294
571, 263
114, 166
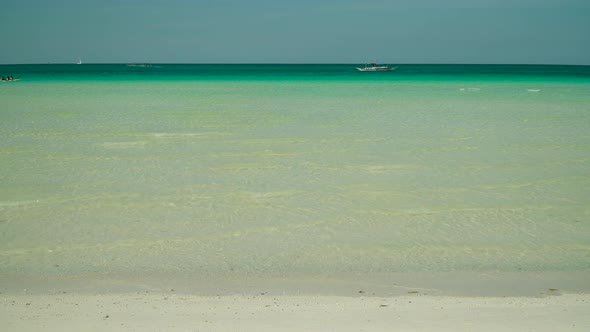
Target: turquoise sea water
278, 169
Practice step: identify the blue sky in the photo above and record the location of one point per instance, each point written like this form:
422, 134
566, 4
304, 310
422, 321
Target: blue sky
303, 31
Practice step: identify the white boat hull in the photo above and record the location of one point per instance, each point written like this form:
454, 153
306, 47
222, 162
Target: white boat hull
375, 69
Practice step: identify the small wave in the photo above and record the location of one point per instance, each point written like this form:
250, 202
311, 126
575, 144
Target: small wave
123, 145
177, 135
17, 203
533, 90
469, 89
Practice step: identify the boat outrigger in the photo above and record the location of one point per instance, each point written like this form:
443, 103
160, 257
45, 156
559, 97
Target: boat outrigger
375, 67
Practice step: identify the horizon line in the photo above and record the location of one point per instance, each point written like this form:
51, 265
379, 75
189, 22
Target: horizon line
292, 63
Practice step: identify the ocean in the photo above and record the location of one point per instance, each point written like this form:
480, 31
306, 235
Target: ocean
277, 170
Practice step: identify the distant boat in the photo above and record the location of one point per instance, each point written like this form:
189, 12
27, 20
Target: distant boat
10, 80
375, 67
140, 65
79, 62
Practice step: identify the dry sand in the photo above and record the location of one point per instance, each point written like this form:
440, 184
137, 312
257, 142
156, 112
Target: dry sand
171, 311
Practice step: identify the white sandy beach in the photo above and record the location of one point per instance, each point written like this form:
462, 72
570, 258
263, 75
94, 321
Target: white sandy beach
169, 311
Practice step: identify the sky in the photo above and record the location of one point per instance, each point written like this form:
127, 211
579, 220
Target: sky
295, 31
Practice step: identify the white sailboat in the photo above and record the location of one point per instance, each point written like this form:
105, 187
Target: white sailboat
375, 67
79, 61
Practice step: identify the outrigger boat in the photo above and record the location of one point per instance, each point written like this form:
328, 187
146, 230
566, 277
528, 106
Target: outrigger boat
375, 67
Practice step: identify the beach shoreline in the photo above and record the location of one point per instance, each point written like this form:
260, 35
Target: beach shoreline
168, 311
455, 284
417, 301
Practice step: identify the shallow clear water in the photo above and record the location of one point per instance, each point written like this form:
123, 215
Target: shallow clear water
284, 168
